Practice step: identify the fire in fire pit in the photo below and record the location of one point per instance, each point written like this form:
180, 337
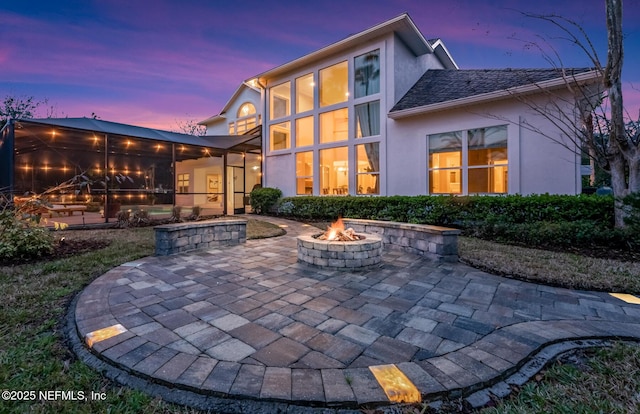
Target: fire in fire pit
337, 232
340, 249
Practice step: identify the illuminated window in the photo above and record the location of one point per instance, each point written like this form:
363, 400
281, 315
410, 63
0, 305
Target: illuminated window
368, 174
304, 173
280, 101
280, 136
334, 84
304, 131
244, 125
367, 119
246, 109
488, 166
486, 169
445, 162
367, 74
183, 183
334, 171
246, 119
334, 126
304, 93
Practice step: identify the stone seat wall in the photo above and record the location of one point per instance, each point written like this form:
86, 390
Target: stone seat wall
433, 242
183, 237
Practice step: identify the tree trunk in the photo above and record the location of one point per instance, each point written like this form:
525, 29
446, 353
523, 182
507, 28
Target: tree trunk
618, 143
619, 186
634, 174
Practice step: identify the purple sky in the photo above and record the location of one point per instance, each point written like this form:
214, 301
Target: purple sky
157, 62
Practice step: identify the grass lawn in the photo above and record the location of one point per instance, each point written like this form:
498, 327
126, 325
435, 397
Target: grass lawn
553, 268
594, 381
35, 296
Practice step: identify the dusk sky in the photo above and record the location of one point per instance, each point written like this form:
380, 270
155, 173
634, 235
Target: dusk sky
157, 62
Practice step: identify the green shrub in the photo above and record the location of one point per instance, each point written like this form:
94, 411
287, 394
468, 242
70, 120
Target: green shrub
22, 239
564, 234
462, 212
262, 199
536, 220
631, 204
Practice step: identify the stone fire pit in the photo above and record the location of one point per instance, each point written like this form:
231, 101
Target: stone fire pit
340, 255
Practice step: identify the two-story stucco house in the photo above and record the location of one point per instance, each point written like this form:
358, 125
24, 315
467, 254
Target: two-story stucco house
388, 112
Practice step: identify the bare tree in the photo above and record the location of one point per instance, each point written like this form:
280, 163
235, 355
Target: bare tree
14, 107
189, 127
26, 107
591, 116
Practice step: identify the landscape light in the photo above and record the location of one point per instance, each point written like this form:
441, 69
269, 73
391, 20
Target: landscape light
395, 384
105, 333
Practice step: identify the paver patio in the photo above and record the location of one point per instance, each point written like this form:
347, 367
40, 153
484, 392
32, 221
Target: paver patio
250, 322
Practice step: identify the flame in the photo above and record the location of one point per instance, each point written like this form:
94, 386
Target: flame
334, 229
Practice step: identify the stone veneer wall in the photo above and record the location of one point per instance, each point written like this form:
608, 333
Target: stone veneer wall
182, 237
434, 242
338, 255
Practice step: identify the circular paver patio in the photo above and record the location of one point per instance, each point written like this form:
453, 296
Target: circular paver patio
250, 322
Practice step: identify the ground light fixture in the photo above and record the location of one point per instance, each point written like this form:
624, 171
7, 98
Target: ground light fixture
626, 297
105, 333
395, 384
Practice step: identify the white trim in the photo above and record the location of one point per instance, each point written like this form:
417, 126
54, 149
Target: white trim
225, 108
442, 52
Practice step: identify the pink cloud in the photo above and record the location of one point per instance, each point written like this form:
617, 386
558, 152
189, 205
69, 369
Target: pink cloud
130, 62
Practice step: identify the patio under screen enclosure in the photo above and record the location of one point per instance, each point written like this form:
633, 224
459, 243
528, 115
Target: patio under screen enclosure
128, 167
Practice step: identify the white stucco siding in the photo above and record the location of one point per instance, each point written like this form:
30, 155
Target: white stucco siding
551, 163
547, 166
407, 69
537, 164
219, 127
280, 172
406, 157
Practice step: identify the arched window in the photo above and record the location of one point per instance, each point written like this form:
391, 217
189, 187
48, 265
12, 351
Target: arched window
246, 109
246, 119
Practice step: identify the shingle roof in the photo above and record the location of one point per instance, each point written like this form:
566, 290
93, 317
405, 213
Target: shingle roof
443, 85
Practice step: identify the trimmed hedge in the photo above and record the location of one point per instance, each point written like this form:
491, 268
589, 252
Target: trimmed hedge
568, 234
456, 211
537, 220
